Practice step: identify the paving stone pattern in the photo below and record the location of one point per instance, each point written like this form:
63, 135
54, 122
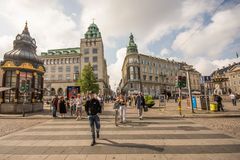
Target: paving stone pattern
169, 138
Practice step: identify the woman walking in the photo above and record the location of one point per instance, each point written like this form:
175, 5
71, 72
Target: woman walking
62, 107
122, 108
79, 103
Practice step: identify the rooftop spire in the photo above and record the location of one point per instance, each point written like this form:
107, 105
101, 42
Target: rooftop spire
25, 31
132, 47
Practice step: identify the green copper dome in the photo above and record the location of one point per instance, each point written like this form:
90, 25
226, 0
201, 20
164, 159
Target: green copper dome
132, 47
93, 32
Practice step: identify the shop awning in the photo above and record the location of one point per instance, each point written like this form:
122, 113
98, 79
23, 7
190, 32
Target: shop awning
5, 88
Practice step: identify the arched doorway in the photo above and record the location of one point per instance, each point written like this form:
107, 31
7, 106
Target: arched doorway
53, 92
60, 91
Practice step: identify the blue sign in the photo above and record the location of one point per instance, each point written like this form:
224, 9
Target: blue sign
194, 102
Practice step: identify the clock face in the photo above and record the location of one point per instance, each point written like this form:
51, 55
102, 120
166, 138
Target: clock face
33, 41
18, 37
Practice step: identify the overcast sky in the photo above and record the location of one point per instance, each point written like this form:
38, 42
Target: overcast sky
204, 33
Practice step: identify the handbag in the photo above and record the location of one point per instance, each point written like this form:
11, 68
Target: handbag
116, 105
145, 108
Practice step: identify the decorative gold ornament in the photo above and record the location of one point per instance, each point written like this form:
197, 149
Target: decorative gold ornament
26, 66
41, 69
9, 64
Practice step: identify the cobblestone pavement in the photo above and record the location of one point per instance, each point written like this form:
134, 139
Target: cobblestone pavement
226, 125
152, 138
12, 125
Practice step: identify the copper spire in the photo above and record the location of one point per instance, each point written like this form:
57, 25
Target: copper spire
25, 31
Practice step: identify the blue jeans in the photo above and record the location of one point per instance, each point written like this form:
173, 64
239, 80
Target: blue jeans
94, 120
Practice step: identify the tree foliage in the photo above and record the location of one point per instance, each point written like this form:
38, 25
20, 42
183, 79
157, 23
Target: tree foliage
87, 81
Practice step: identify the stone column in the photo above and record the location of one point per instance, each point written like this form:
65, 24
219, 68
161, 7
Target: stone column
17, 86
32, 89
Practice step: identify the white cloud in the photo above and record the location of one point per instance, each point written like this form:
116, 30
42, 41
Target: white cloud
148, 20
115, 70
46, 22
165, 52
206, 66
212, 39
5, 44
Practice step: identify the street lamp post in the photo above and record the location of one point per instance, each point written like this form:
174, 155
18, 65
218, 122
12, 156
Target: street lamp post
189, 68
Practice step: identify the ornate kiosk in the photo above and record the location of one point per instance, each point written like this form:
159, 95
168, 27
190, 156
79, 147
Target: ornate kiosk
23, 74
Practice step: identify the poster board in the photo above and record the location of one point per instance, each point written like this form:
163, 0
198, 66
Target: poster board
72, 91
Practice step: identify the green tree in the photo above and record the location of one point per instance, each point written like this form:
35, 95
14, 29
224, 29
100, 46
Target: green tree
88, 81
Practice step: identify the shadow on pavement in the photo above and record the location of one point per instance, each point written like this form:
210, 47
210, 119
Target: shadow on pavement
132, 145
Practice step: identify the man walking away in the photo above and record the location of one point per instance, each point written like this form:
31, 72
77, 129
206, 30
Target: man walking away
55, 105
218, 99
140, 103
92, 109
234, 99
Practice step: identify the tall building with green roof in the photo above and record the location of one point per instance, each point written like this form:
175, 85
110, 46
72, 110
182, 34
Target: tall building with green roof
64, 65
92, 50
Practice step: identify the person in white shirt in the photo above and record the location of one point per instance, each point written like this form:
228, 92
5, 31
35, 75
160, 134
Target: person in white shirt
79, 103
233, 98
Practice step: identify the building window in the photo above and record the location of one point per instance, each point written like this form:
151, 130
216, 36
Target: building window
76, 69
60, 69
96, 76
131, 76
86, 51
131, 69
52, 77
144, 77
67, 76
150, 78
131, 85
94, 59
95, 67
66, 61
86, 59
10, 82
53, 69
156, 79
68, 69
60, 77
94, 50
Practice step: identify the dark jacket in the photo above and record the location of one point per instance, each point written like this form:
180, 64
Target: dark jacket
93, 107
140, 101
218, 99
55, 102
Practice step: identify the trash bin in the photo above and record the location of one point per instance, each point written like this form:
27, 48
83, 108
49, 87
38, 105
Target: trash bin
213, 107
203, 102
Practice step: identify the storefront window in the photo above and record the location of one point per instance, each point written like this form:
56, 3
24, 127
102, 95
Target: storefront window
10, 82
27, 77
